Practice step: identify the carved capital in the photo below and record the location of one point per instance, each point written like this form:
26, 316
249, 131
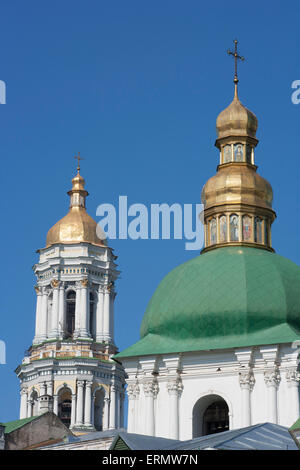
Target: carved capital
272, 378
55, 283
110, 287
133, 391
175, 387
84, 282
246, 379
292, 377
38, 290
80, 383
150, 388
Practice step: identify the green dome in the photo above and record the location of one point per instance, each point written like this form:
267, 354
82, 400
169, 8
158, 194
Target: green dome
227, 297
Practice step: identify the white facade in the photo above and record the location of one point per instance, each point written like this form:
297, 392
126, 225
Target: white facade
169, 394
71, 356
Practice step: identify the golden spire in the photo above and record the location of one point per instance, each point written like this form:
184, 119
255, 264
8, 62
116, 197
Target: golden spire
77, 226
237, 201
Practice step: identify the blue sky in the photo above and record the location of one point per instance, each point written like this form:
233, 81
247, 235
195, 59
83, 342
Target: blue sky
136, 87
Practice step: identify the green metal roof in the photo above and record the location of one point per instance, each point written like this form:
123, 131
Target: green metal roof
296, 425
228, 297
18, 423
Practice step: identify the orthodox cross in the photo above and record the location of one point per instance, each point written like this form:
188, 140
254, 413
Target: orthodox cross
78, 158
236, 58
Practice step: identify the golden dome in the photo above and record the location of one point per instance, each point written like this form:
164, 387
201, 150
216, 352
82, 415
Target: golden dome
236, 120
77, 226
237, 184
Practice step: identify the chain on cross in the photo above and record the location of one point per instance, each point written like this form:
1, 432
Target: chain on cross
236, 58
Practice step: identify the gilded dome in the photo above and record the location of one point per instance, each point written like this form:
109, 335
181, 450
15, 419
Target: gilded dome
236, 120
237, 183
77, 226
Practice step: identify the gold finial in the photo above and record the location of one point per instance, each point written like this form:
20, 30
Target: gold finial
236, 57
78, 158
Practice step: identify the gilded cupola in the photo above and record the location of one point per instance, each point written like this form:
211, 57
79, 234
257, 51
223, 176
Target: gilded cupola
237, 200
77, 226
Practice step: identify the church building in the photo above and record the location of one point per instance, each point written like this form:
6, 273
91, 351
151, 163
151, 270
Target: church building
217, 340
69, 367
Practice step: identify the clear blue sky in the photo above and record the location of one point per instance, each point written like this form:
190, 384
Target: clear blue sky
136, 87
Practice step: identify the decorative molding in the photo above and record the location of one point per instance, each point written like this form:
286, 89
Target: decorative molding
84, 282
272, 377
55, 283
175, 387
246, 379
151, 388
292, 377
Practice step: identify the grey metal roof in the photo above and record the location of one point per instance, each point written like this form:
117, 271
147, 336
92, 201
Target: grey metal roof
143, 442
266, 436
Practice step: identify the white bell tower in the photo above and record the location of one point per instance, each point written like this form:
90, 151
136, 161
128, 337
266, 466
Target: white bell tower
70, 359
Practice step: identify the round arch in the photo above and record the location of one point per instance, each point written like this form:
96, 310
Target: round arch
211, 414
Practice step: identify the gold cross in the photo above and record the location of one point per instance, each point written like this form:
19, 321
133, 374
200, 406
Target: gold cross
236, 57
78, 158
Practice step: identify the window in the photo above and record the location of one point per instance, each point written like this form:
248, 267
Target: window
70, 314
215, 418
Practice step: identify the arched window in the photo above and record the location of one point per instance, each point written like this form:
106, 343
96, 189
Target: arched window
234, 228
70, 314
248, 154
258, 230
223, 228
215, 418
92, 314
247, 228
238, 151
98, 409
210, 415
65, 406
34, 403
213, 231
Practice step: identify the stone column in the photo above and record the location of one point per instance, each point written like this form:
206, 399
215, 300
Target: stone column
99, 316
106, 413
106, 319
77, 310
112, 408
79, 410
111, 315
131, 407
29, 408
38, 315
61, 311
73, 410
88, 404
292, 378
43, 388
247, 381
49, 388
55, 404
44, 315
84, 324
23, 404
174, 388
54, 314
150, 390
272, 379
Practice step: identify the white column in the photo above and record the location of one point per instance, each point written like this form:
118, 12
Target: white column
44, 315
29, 409
79, 410
272, 379
49, 388
54, 313
292, 377
111, 316
131, 393
61, 311
149, 390
106, 323
55, 404
112, 408
99, 316
23, 403
246, 380
88, 404
38, 315
106, 413
43, 388
77, 310
174, 388
84, 310
73, 410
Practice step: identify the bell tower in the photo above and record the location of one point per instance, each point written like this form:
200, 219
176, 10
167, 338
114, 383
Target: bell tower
70, 360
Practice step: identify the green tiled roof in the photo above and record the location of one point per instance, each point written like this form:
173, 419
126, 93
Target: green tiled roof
228, 297
18, 423
296, 425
